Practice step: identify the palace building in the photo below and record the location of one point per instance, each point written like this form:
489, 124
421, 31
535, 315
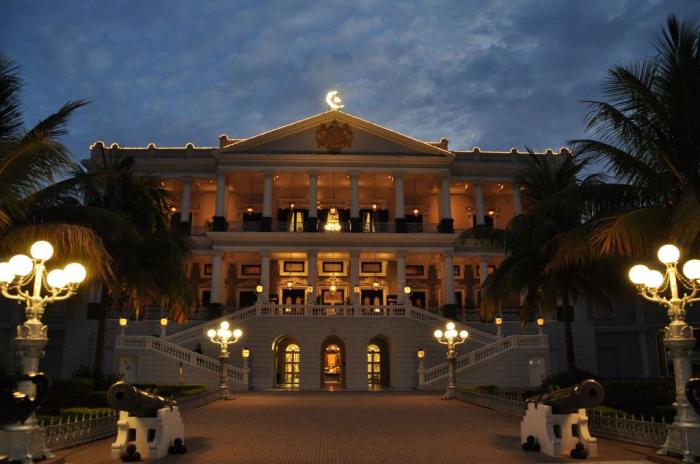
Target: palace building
338, 246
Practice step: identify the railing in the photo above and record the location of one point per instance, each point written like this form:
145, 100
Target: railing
178, 353
479, 355
622, 427
64, 432
195, 333
283, 226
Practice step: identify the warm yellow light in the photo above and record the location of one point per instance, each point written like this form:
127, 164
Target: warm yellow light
540, 321
356, 290
76, 273
249, 210
691, 269
224, 325
41, 250
309, 289
6, 274
57, 278
499, 320
463, 333
289, 285
638, 274
420, 353
669, 254
451, 334
173, 209
237, 333
21, 265
163, 321
122, 322
211, 333
407, 290
438, 333
259, 289
416, 211
450, 326
654, 279
375, 284
245, 352
333, 288
374, 206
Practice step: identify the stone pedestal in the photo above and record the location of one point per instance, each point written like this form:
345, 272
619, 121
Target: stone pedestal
25, 444
557, 434
151, 435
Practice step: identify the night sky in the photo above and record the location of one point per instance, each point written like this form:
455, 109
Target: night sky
493, 74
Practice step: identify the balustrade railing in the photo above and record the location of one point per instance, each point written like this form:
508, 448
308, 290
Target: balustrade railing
617, 426
284, 226
484, 353
178, 353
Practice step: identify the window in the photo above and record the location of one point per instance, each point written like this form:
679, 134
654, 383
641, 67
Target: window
291, 364
374, 365
296, 221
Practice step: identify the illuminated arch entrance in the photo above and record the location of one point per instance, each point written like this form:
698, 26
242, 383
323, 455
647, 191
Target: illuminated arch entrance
378, 363
287, 362
332, 364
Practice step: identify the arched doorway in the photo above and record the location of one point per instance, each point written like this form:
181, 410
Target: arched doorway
378, 363
287, 362
332, 364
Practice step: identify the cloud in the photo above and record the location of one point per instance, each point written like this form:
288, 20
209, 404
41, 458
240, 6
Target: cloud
491, 74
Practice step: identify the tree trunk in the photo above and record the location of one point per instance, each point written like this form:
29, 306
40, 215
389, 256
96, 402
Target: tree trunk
568, 313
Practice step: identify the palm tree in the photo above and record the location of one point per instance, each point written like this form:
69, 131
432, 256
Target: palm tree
557, 201
648, 136
149, 265
30, 161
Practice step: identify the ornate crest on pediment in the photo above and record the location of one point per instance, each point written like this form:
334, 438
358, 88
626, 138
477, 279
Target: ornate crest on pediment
334, 136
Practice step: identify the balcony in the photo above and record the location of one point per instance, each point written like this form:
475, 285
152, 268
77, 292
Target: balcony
281, 226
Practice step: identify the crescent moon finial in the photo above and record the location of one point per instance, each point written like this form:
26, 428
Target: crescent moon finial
333, 100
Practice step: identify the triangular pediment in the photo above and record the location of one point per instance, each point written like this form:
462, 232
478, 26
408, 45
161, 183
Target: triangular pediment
334, 132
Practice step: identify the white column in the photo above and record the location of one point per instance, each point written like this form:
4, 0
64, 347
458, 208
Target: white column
400, 212
186, 196
445, 199
401, 276
313, 193
517, 203
312, 257
448, 279
267, 194
483, 268
355, 274
217, 278
354, 194
479, 192
220, 195
265, 275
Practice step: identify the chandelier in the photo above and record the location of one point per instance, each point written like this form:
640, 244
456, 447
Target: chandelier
333, 221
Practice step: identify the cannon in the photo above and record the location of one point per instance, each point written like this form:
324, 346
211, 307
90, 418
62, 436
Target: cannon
149, 425
138, 403
17, 406
587, 394
692, 391
556, 423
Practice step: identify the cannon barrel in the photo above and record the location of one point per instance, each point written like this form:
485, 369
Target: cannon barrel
138, 403
587, 394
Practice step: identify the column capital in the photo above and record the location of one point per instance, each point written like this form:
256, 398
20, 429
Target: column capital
217, 253
398, 174
484, 258
268, 172
354, 173
313, 172
477, 182
313, 253
264, 253
186, 179
448, 254
401, 254
354, 254
445, 175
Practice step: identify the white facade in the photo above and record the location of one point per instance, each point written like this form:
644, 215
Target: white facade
353, 233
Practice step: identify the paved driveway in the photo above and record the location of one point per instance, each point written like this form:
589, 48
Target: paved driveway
346, 427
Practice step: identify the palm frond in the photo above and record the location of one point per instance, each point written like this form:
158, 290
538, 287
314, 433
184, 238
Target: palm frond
10, 85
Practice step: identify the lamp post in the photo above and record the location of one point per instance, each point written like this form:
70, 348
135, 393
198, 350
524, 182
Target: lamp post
420, 354
163, 326
224, 337
259, 290
123, 322
684, 434
245, 353
499, 327
540, 324
23, 279
451, 338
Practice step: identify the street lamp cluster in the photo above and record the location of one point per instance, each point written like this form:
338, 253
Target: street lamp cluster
451, 338
224, 336
667, 290
26, 280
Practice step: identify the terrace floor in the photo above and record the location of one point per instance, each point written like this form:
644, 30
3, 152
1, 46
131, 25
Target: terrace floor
349, 427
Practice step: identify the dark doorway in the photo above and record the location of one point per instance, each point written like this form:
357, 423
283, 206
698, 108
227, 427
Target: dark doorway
288, 363
246, 298
372, 297
293, 296
418, 299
